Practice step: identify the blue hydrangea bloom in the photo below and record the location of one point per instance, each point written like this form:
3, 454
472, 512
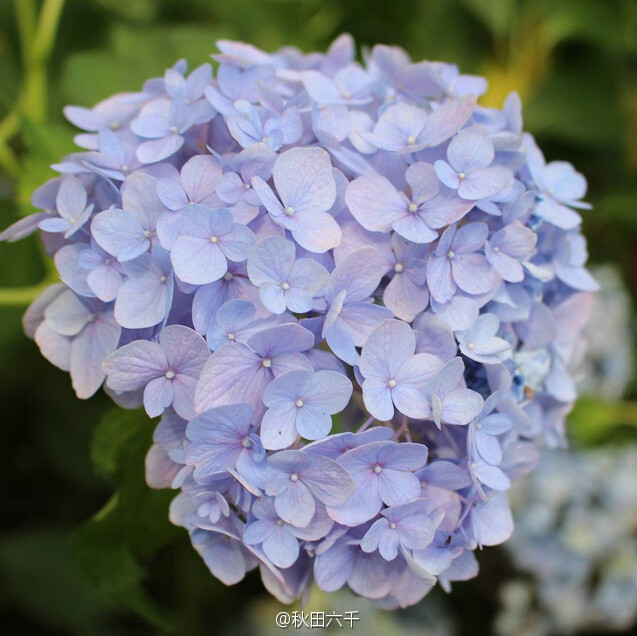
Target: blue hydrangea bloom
354, 296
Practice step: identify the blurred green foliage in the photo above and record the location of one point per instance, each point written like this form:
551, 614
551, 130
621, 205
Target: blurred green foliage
574, 62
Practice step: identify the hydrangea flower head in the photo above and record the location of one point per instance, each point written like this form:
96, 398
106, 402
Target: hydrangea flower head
353, 296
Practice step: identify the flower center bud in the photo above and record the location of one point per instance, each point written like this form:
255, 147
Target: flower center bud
294, 477
411, 140
147, 233
391, 384
230, 336
266, 362
170, 374
162, 279
91, 318
246, 443
285, 286
378, 468
299, 403
174, 129
461, 176
392, 525
125, 168
289, 210
227, 276
279, 522
413, 208
247, 186
213, 239
496, 249
450, 254
470, 345
399, 267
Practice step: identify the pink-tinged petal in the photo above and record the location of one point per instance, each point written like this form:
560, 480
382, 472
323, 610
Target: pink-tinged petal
200, 176
492, 523
54, 347
143, 302
134, 365
198, 261
88, 351
358, 274
268, 198
320, 88
414, 228
312, 422
155, 150
67, 314
23, 228
506, 266
104, 282
397, 487
364, 504
558, 214
296, 505
317, 233
405, 298
388, 347
471, 150
377, 397
447, 119
444, 209
485, 183
278, 427
459, 313
232, 375
375, 203
328, 390
406, 456
281, 547
447, 174
303, 178
288, 387
158, 395
440, 280
334, 567
423, 181
236, 245
120, 234
473, 274
271, 261
434, 336
461, 406
150, 126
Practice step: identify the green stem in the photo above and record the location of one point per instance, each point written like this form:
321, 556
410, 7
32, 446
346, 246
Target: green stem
21, 296
46, 29
9, 161
34, 97
25, 17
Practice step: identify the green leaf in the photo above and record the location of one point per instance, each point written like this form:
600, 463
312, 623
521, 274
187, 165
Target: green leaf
132, 56
577, 105
595, 421
133, 525
45, 144
495, 15
46, 582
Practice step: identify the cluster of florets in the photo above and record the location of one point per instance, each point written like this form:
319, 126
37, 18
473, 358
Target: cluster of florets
351, 293
576, 534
